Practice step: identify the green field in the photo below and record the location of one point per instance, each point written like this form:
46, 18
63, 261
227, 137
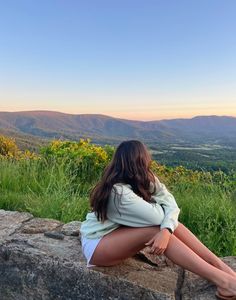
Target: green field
202, 157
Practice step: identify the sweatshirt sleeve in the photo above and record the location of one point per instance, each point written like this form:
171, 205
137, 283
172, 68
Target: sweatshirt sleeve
133, 210
164, 198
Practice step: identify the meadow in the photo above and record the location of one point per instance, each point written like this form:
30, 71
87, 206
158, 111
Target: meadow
56, 182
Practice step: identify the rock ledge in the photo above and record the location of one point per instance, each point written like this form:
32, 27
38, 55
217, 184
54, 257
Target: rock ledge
36, 265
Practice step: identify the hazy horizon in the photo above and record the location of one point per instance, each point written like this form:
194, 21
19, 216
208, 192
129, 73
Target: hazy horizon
127, 59
61, 112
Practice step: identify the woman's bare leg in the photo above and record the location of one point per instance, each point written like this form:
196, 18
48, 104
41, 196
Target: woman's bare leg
126, 241
187, 237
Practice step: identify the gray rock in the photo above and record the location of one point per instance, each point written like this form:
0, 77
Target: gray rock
157, 260
72, 228
54, 235
33, 267
10, 221
197, 288
39, 225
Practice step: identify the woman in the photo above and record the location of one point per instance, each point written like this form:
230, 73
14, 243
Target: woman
132, 209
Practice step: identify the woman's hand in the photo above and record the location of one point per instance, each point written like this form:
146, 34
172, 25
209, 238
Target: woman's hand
159, 242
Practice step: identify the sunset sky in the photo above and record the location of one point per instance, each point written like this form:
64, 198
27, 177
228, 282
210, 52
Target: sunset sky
143, 60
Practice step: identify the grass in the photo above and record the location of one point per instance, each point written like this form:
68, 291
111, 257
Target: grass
210, 213
52, 190
45, 190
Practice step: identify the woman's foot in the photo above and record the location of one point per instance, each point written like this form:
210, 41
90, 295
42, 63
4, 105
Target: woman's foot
224, 294
230, 290
220, 296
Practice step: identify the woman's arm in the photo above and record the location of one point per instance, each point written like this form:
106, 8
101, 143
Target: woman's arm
133, 210
164, 198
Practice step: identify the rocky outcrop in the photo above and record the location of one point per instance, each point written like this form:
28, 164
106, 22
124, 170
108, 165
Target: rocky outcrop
42, 259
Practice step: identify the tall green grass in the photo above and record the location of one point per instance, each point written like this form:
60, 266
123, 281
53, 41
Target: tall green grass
43, 189
210, 213
56, 190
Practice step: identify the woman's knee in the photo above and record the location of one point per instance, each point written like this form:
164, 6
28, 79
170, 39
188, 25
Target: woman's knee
178, 227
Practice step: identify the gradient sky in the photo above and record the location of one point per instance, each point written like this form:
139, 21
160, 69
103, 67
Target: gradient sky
145, 60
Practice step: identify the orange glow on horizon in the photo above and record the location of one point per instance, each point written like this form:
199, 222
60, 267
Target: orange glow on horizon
136, 116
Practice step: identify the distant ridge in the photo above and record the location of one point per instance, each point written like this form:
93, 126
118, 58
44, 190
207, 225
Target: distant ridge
106, 129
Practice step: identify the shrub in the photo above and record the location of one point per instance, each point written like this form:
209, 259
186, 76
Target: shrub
8, 147
86, 161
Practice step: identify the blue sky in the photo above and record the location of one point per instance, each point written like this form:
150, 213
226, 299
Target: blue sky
145, 60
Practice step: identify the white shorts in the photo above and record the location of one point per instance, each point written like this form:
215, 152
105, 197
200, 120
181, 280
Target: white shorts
88, 248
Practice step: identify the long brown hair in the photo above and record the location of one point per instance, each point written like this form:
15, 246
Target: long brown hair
130, 164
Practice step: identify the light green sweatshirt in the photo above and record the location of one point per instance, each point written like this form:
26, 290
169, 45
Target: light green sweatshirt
134, 211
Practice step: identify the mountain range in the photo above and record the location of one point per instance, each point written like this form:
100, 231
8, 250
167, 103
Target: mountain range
102, 129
